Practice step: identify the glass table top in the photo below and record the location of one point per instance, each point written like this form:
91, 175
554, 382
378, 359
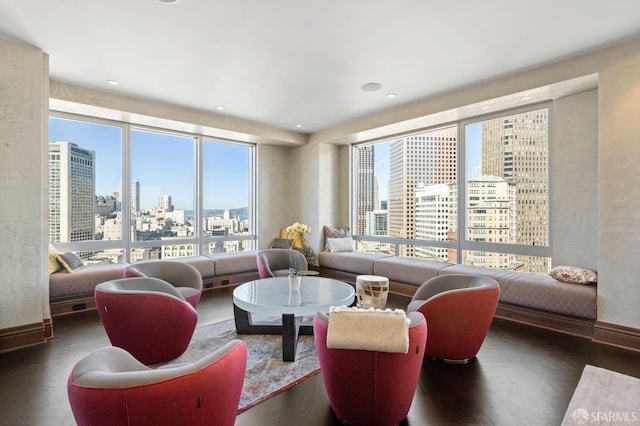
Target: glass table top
272, 296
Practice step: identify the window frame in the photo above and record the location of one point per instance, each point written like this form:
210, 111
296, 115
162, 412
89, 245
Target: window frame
126, 244
462, 244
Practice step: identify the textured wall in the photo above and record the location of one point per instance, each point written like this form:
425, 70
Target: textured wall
272, 192
575, 180
619, 193
22, 248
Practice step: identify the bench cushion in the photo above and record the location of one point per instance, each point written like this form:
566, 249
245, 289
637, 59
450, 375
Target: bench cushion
204, 264
537, 291
355, 262
408, 270
83, 281
234, 263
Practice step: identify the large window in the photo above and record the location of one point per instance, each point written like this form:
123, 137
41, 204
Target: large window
185, 195
411, 197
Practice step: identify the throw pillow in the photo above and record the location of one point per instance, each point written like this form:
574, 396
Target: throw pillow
54, 265
573, 274
70, 261
331, 232
337, 245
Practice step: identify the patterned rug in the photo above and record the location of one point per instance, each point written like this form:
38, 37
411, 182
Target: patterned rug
267, 375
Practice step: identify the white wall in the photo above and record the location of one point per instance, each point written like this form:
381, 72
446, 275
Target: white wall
23, 255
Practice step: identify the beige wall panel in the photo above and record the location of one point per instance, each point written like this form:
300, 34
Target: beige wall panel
21, 177
619, 193
575, 180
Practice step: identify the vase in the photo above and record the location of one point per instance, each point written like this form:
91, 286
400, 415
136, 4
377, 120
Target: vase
294, 282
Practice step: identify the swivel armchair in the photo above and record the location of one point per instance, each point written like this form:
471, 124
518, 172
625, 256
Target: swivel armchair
110, 387
182, 276
367, 385
459, 310
275, 262
147, 317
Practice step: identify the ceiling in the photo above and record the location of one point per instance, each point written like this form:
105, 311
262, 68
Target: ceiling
301, 64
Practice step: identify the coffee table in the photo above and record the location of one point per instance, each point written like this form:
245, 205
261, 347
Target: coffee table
272, 297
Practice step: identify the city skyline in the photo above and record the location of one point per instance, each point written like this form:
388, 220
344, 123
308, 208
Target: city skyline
155, 157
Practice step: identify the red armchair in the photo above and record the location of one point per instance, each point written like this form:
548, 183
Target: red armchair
459, 310
147, 317
109, 387
370, 387
182, 276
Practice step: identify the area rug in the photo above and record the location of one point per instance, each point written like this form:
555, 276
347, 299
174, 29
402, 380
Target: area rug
604, 397
267, 375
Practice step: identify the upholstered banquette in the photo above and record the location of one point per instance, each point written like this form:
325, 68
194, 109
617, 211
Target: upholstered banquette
532, 298
74, 291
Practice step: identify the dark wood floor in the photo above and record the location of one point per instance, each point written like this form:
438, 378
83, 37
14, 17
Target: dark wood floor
522, 375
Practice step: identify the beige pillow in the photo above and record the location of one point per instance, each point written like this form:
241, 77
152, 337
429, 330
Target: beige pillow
54, 265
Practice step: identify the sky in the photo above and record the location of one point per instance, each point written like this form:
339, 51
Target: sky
163, 163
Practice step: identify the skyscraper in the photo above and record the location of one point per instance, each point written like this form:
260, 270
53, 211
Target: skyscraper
72, 191
516, 148
135, 197
427, 158
164, 203
366, 186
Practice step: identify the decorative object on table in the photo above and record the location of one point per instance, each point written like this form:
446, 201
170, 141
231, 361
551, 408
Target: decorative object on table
294, 281
372, 291
295, 235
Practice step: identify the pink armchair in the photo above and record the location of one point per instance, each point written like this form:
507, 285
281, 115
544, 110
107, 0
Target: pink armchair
147, 317
459, 310
182, 276
275, 262
370, 387
110, 387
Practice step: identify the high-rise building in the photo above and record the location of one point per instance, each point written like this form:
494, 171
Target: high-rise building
516, 148
366, 186
164, 203
135, 197
435, 219
72, 190
491, 217
427, 158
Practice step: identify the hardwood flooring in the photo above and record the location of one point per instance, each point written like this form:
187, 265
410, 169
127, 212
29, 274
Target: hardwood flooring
522, 376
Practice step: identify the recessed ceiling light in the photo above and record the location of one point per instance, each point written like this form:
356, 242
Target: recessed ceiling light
168, 1
219, 107
113, 82
371, 87
391, 95
299, 126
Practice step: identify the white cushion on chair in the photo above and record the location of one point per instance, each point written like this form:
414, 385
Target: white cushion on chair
368, 329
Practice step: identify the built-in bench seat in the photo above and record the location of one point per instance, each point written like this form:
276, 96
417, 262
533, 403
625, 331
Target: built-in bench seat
525, 297
73, 292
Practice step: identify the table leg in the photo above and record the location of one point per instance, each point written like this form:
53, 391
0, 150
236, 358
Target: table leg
290, 332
